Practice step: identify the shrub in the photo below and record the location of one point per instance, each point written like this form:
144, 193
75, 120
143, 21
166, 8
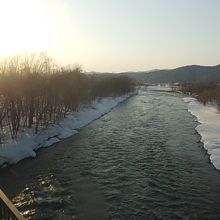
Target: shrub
35, 92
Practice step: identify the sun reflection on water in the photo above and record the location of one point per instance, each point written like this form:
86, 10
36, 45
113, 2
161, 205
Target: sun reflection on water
31, 198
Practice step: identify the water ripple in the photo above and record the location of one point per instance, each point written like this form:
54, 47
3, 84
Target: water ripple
141, 161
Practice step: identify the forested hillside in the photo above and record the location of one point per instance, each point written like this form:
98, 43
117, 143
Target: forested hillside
193, 73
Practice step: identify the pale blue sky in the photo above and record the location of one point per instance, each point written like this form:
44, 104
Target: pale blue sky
128, 35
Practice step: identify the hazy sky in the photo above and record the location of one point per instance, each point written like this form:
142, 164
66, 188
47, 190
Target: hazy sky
114, 35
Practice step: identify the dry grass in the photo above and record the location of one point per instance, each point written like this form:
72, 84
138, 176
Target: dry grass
205, 92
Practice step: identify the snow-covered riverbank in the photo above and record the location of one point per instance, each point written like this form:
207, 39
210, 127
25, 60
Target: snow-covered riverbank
209, 127
26, 143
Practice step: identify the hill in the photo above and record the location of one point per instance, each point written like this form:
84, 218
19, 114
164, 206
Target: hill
193, 73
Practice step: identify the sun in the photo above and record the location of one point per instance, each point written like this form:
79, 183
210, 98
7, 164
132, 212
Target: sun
26, 25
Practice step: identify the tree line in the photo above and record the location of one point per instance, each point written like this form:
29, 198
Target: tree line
36, 92
204, 91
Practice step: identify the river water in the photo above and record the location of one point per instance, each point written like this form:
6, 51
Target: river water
143, 160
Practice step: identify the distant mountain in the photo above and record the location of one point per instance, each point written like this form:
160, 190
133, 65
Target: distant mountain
192, 73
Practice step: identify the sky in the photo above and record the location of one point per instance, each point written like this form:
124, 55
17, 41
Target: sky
114, 35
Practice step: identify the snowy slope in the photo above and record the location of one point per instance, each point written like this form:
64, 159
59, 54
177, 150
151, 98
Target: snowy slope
209, 129
26, 143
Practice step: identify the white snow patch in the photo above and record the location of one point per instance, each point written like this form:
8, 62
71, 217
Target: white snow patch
26, 142
162, 88
209, 129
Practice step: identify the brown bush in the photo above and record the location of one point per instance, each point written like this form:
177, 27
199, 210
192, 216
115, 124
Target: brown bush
204, 91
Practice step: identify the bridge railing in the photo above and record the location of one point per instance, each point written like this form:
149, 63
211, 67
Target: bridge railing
7, 210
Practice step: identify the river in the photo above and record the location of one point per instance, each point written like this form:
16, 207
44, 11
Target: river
143, 160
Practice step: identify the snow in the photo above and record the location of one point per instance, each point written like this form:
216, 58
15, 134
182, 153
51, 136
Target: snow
162, 88
27, 143
209, 127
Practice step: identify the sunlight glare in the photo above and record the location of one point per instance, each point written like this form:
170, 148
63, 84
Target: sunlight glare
25, 26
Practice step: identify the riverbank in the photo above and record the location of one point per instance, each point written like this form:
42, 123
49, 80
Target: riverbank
142, 156
26, 143
209, 128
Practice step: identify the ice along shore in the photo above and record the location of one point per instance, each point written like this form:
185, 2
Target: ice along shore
26, 144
